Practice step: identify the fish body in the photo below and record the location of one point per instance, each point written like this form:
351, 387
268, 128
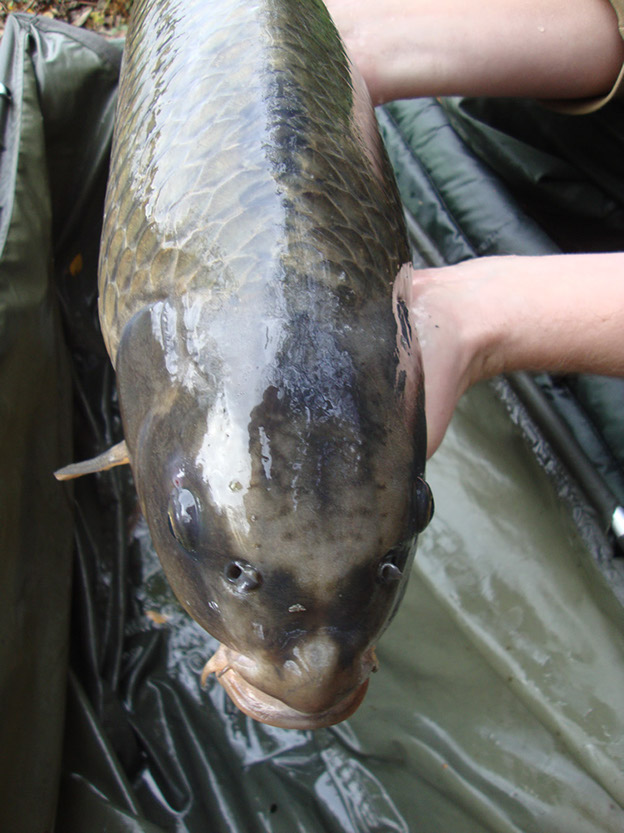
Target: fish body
252, 300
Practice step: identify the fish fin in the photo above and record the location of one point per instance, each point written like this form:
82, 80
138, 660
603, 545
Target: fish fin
117, 455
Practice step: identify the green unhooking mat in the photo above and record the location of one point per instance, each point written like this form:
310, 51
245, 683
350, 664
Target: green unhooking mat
499, 705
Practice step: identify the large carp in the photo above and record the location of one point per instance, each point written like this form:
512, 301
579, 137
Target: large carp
253, 277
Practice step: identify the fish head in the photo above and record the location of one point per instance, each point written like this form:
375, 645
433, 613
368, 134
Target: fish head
289, 539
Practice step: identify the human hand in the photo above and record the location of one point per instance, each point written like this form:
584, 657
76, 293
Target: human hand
448, 334
491, 315
550, 49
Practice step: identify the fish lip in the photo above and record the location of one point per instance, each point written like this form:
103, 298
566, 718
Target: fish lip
265, 708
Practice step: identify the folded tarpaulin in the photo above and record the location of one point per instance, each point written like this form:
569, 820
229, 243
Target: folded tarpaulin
498, 705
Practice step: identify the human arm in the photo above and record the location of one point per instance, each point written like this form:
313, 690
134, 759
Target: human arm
549, 49
499, 314
561, 313
493, 315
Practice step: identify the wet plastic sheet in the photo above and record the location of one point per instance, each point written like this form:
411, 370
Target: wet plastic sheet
498, 706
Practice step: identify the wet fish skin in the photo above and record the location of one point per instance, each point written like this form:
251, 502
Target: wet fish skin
269, 382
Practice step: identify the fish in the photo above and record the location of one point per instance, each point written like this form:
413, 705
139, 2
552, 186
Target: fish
254, 300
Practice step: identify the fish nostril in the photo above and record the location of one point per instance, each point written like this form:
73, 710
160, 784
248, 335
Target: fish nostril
389, 573
243, 577
233, 571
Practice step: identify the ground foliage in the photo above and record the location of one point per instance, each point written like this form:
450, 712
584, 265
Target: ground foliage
106, 16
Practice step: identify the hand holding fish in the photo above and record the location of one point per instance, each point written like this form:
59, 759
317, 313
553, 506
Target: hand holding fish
492, 315
539, 48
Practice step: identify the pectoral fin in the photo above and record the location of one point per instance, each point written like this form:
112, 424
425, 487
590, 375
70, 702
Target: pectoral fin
117, 455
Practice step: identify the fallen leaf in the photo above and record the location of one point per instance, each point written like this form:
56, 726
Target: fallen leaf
156, 617
75, 267
82, 18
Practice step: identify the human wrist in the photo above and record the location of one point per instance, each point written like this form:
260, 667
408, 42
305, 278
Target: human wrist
542, 48
514, 312
558, 313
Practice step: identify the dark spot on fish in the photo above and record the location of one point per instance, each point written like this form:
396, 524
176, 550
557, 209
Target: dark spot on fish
289, 125
401, 380
347, 296
273, 808
317, 372
293, 611
358, 610
404, 322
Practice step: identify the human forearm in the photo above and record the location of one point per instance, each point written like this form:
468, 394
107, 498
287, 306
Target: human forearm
539, 48
561, 313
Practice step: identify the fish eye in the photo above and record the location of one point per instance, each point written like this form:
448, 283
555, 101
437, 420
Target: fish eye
242, 576
183, 515
423, 505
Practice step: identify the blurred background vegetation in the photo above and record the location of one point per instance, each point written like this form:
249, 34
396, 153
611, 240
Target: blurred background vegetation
105, 16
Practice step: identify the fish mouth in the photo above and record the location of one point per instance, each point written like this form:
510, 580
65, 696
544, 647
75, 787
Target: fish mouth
265, 708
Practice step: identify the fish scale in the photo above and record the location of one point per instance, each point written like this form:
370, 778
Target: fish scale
170, 105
